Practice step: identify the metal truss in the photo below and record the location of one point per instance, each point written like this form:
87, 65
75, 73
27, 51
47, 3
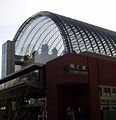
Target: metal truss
66, 34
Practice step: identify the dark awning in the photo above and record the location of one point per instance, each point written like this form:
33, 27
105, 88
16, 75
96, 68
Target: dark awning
21, 72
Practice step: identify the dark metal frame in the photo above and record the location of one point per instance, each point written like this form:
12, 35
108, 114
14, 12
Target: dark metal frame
66, 27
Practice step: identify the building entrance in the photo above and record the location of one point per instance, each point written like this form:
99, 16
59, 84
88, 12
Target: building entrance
73, 103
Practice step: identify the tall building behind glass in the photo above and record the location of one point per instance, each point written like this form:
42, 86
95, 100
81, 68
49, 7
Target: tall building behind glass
7, 58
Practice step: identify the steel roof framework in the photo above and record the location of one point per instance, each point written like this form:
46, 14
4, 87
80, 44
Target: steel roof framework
66, 34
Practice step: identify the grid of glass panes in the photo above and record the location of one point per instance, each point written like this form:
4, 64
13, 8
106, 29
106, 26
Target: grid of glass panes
40, 31
67, 34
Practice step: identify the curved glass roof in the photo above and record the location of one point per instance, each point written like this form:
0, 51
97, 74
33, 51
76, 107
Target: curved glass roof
64, 34
39, 31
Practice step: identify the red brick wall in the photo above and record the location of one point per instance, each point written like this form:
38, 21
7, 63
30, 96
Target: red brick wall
107, 72
94, 89
55, 76
52, 94
58, 84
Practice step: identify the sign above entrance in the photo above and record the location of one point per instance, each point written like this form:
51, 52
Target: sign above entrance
76, 69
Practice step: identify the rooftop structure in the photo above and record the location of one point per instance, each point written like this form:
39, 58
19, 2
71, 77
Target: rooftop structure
65, 34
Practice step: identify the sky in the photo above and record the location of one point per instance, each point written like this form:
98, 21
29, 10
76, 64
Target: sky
14, 12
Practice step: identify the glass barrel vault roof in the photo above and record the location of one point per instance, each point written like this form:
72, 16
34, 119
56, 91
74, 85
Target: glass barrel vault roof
64, 34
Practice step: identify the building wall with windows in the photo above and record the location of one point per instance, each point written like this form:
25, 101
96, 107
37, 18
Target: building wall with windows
7, 58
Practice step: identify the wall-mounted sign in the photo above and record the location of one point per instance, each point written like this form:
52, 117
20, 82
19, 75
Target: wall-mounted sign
76, 69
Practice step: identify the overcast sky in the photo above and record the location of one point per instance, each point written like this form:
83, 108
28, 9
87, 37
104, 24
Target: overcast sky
14, 12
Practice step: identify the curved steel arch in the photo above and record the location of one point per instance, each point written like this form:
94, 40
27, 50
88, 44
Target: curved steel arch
34, 31
72, 36
93, 36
